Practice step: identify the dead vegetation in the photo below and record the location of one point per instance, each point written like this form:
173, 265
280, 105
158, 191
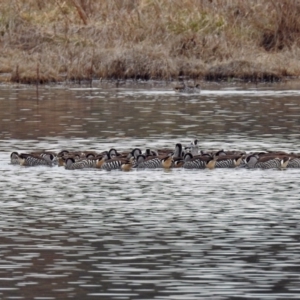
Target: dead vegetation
75, 40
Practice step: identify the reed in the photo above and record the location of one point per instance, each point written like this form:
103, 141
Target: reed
76, 40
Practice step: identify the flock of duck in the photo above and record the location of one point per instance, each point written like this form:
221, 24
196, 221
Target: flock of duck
187, 157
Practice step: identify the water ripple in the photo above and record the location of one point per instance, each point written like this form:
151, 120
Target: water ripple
179, 234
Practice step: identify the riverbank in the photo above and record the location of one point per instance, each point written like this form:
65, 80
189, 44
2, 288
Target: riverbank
53, 41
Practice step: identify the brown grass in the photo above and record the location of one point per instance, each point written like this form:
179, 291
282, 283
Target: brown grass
76, 40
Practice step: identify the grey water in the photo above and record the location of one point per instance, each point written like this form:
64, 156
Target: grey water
149, 234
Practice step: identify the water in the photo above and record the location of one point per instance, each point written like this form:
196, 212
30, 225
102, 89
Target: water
178, 234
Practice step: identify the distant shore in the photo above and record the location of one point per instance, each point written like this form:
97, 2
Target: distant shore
214, 40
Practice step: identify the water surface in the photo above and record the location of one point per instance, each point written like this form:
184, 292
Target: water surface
178, 234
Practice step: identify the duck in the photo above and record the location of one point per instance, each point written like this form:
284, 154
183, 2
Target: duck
66, 153
134, 153
116, 163
31, 160
85, 163
149, 152
294, 161
153, 162
113, 153
199, 161
178, 152
50, 156
267, 161
178, 156
193, 148
187, 88
14, 158
229, 161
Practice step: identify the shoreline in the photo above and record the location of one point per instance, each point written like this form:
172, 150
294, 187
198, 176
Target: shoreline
74, 41
120, 83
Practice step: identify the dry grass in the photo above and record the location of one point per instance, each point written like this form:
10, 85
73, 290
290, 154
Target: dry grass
77, 40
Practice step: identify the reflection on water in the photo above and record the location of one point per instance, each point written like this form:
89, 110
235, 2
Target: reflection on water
182, 234
148, 112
